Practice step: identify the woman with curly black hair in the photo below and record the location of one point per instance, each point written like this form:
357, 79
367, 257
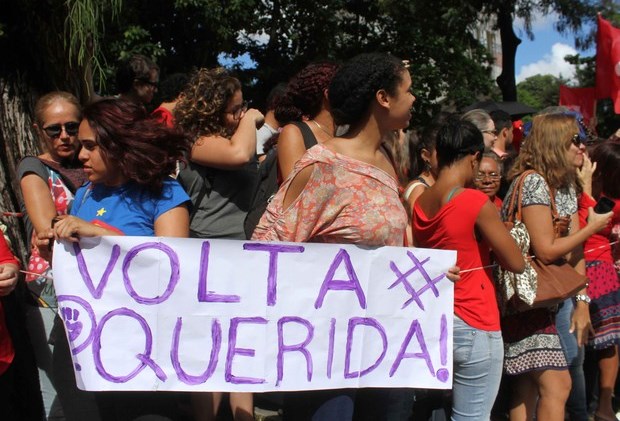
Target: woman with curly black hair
304, 111
345, 190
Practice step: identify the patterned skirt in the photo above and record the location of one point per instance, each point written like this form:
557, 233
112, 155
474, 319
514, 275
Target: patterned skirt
531, 342
604, 289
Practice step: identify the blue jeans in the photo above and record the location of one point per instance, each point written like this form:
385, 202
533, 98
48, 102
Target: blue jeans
576, 406
478, 360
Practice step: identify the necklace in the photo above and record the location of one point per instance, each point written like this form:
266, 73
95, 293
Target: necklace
322, 128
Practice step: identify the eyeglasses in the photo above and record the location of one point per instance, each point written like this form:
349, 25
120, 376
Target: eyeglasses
54, 131
493, 132
493, 176
577, 140
238, 110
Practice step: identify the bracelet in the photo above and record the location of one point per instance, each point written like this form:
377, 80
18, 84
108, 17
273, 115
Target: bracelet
583, 297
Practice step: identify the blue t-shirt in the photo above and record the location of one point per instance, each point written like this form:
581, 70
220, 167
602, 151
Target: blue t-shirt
127, 208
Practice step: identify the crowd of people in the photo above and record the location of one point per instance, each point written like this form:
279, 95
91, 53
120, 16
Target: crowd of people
347, 170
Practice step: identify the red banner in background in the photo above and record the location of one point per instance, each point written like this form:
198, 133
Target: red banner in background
582, 100
608, 62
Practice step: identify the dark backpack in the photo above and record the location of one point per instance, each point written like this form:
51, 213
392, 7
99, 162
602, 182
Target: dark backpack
267, 181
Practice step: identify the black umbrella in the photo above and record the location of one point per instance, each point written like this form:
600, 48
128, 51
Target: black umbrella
514, 108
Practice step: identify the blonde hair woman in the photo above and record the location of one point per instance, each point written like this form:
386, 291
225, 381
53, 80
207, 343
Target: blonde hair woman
533, 351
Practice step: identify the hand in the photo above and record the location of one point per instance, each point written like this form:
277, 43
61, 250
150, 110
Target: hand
454, 274
8, 278
580, 323
256, 116
72, 228
587, 169
598, 221
45, 243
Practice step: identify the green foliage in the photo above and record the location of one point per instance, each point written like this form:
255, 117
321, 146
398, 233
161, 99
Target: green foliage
540, 91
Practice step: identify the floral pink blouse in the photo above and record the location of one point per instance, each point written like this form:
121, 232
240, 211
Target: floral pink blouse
345, 201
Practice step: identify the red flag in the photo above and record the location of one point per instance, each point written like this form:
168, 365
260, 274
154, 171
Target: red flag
582, 100
608, 62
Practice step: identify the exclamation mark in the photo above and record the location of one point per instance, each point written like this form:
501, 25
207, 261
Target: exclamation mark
443, 374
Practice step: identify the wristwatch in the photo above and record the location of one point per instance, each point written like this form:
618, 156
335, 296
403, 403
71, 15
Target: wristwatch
583, 297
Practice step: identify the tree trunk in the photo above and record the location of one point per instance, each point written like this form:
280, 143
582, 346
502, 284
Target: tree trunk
17, 140
506, 80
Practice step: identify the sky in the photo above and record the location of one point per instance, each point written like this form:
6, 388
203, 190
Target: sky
545, 54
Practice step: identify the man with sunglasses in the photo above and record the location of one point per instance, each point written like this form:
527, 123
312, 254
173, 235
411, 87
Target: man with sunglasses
137, 79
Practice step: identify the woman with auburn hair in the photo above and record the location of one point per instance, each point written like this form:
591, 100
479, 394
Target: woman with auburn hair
304, 112
604, 285
128, 158
533, 352
48, 183
220, 180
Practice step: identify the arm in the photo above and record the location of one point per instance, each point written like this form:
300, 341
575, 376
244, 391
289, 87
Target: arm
38, 201
219, 152
9, 269
291, 147
173, 223
413, 196
499, 239
580, 319
547, 248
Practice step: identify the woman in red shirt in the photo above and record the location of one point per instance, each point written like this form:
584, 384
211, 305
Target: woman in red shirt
604, 285
450, 216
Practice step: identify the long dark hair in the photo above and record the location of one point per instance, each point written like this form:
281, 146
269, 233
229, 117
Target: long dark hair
142, 149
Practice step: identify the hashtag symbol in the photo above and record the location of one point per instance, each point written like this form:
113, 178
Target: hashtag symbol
401, 278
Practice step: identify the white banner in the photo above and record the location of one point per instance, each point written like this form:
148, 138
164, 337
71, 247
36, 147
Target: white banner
144, 313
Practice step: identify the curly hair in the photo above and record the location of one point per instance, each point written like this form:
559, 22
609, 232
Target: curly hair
355, 84
46, 100
605, 178
304, 92
544, 150
203, 102
130, 140
456, 139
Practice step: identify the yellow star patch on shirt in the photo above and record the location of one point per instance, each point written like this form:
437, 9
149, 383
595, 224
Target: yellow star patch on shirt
101, 211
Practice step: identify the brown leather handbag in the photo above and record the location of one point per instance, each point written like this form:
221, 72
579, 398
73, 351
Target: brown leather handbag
540, 285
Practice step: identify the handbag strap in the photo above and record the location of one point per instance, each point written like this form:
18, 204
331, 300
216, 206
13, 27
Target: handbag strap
515, 198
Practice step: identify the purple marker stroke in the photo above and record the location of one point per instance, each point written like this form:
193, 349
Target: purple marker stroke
300, 347
272, 276
369, 322
204, 295
352, 284
416, 329
216, 339
144, 357
233, 350
96, 292
174, 272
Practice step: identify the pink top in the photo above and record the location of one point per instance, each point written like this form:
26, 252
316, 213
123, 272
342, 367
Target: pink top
453, 228
345, 201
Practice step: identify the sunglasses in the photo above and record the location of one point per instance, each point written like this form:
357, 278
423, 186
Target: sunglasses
576, 140
54, 131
